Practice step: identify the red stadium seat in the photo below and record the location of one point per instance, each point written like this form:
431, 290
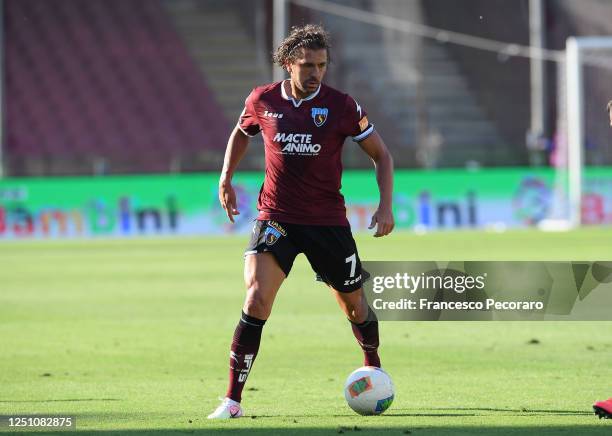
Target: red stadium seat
106, 79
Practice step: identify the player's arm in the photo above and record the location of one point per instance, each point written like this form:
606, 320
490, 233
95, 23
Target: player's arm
236, 148
374, 146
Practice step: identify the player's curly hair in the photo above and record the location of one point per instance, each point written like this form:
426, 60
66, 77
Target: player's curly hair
311, 36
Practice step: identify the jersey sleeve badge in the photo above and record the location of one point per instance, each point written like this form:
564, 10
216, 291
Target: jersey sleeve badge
364, 123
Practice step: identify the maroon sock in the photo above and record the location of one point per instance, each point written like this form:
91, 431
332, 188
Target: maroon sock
366, 334
245, 345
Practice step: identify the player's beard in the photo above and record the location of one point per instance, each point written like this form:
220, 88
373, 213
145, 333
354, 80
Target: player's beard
310, 86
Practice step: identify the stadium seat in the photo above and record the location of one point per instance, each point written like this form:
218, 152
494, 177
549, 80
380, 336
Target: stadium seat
104, 79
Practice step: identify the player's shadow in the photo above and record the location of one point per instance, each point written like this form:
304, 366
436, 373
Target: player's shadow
240, 429
433, 412
516, 411
60, 401
431, 415
352, 415
439, 412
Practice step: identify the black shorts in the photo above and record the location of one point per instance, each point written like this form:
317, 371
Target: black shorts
331, 250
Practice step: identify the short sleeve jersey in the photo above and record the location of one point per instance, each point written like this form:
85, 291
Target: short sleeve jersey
303, 147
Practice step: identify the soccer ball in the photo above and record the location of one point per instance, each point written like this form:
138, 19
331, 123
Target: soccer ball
369, 390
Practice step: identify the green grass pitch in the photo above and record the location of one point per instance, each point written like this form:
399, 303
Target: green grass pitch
132, 336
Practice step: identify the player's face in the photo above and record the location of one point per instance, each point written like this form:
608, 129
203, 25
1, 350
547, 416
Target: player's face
308, 70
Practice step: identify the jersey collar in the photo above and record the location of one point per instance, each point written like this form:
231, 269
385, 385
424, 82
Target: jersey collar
297, 103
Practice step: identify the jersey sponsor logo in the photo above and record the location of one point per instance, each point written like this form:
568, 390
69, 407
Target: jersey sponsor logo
303, 149
297, 144
364, 123
272, 114
319, 115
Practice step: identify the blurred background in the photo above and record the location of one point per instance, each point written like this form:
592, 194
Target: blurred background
102, 88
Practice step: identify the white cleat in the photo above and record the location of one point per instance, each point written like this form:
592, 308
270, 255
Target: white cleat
227, 409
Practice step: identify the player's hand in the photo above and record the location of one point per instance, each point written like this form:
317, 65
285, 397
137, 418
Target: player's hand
384, 222
227, 198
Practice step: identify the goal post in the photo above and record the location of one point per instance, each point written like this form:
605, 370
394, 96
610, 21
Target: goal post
573, 131
576, 47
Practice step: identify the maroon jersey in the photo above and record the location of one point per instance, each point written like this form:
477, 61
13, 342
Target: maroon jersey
303, 146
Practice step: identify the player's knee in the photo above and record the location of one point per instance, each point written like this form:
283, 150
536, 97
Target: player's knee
256, 304
357, 311
357, 315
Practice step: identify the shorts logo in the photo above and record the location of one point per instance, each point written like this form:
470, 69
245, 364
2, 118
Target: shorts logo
278, 227
319, 115
271, 235
349, 282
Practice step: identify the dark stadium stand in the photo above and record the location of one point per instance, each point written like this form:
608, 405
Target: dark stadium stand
104, 86
500, 86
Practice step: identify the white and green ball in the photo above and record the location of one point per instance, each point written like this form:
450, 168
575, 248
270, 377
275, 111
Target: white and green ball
369, 390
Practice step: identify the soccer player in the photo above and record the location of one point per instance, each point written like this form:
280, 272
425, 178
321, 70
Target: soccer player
304, 124
603, 409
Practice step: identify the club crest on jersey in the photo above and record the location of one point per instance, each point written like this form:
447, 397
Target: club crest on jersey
319, 115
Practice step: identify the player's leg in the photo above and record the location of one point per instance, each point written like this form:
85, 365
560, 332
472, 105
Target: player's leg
263, 278
332, 253
268, 261
363, 323
353, 304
